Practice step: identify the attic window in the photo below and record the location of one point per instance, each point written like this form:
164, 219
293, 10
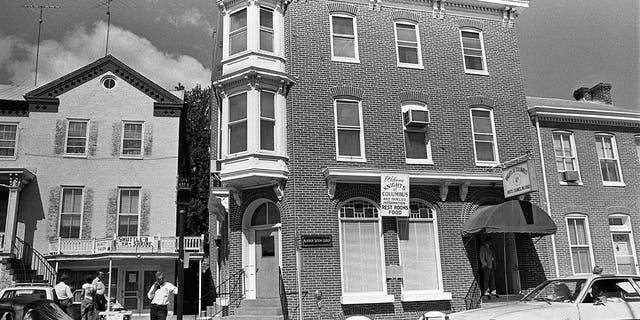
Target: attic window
109, 82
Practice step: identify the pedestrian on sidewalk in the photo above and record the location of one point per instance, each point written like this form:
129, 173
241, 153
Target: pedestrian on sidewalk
488, 262
87, 307
99, 300
64, 294
159, 295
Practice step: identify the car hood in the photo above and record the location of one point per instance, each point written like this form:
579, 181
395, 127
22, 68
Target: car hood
518, 310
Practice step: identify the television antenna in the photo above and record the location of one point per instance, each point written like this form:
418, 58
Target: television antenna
40, 20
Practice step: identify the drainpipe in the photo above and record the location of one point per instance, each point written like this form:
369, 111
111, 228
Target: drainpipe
546, 195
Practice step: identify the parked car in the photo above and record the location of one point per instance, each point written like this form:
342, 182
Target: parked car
37, 291
579, 297
30, 307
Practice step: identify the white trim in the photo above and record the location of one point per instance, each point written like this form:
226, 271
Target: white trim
418, 65
496, 154
412, 296
588, 235
364, 298
356, 58
60, 213
130, 156
636, 141
366, 175
227, 33
484, 70
362, 157
86, 141
625, 229
260, 28
15, 145
405, 107
226, 122
572, 143
273, 120
616, 156
120, 189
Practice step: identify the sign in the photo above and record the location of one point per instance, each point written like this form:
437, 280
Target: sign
518, 179
317, 241
394, 195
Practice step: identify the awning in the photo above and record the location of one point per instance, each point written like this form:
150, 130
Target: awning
513, 216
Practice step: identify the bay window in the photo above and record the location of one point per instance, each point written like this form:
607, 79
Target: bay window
238, 31
267, 120
237, 125
266, 29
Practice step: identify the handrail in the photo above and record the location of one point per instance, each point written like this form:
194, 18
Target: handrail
474, 296
232, 289
32, 258
283, 297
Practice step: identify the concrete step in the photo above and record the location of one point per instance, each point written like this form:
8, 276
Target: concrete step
257, 311
261, 302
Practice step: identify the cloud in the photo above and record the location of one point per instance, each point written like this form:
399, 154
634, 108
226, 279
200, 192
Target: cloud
82, 46
189, 18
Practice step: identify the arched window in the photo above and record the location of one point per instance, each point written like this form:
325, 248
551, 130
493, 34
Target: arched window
360, 245
265, 214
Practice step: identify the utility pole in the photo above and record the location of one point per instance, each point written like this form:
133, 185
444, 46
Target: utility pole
40, 20
183, 198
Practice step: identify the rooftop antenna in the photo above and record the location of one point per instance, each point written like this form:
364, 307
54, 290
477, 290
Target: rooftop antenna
107, 4
40, 20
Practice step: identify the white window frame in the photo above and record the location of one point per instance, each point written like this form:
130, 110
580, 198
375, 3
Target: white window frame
408, 106
131, 156
624, 229
616, 156
363, 297
356, 58
588, 235
419, 65
229, 123
484, 70
636, 141
120, 189
572, 143
274, 121
425, 295
362, 157
496, 153
246, 29
86, 138
272, 30
60, 213
15, 146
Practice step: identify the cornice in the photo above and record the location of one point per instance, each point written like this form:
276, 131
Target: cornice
584, 116
254, 78
229, 5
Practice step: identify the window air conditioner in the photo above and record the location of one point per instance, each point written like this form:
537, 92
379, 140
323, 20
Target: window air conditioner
570, 176
416, 118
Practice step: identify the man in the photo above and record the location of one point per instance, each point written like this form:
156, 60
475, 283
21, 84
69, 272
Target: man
100, 301
159, 296
64, 294
488, 262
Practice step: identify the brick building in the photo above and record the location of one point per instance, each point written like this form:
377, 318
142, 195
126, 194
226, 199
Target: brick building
316, 100
88, 165
591, 162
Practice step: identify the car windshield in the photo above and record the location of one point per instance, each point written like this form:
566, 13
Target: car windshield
557, 291
48, 311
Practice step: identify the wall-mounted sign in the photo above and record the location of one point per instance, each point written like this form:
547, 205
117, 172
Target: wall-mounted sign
317, 240
394, 195
519, 179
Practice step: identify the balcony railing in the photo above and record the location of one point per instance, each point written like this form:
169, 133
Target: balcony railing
141, 244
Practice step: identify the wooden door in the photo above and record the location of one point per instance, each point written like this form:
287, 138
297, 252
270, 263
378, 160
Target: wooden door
267, 263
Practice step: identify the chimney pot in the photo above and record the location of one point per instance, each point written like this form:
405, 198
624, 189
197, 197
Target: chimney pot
582, 94
601, 92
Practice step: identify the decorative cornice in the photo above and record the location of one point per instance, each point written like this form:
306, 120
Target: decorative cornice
13, 108
352, 92
469, 7
413, 96
405, 15
585, 116
470, 23
167, 110
254, 78
337, 7
480, 100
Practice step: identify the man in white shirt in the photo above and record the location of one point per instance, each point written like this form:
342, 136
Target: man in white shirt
64, 294
159, 296
98, 284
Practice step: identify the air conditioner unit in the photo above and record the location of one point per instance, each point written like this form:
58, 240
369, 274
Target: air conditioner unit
570, 176
416, 118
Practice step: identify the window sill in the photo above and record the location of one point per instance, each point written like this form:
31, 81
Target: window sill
8, 158
348, 60
131, 157
350, 159
486, 164
613, 184
365, 298
409, 296
82, 156
563, 183
411, 66
419, 161
476, 73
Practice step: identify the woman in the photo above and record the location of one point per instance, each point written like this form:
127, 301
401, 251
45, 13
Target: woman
87, 308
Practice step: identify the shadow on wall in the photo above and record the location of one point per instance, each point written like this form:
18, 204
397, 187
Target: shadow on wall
531, 268
31, 211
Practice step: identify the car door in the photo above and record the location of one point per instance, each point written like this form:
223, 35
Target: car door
610, 298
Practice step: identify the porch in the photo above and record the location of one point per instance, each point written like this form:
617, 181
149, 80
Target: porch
139, 244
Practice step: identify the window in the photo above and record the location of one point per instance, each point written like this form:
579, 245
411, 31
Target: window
416, 138
565, 151
8, 138
238, 32
267, 213
361, 251
266, 29
408, 44
350, 140
473, 51
637, 139
77, 137
344, 39
484, 138
623, 245
132, 137
579, 244
267, 120
419, 253
128, 212
609, 162
109, 82
71, 212
237, 123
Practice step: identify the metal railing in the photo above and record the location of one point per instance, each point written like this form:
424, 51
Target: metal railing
32, 260
474, 296
229, 293
283, 297
138, 244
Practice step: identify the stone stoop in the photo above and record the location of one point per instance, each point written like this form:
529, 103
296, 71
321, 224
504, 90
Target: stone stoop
267, 309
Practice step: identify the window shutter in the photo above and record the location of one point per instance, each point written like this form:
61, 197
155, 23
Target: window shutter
61, 133
148, 139
87, 214
115, 143
145, 212
112, 213
54, 213
93, 138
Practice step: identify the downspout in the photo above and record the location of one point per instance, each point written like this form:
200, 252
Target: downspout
546, 195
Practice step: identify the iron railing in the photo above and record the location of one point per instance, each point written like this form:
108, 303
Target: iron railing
474, 296
32, 260
229, 293
283, 298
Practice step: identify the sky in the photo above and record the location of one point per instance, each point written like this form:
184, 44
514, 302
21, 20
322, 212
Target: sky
563, 44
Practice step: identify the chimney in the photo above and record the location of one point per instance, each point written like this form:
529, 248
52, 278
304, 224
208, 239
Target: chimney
601, 92
582, 94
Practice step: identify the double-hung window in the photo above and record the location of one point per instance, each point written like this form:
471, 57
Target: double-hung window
565, 152
267, 120
344, 38
417, 143
77, 132
579, 244
238, 31
484, 137
132, 139
237, 126
473, 51
266, 29
349, 135
8, 139
637, 140
128, 212
609, 161
71, 212
408, 45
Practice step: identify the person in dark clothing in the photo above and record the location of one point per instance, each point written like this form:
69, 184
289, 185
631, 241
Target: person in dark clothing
488, 264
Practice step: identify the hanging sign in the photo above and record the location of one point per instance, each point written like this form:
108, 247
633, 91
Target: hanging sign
518, 179
394, 195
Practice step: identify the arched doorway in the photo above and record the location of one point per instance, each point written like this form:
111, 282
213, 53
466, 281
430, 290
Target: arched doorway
261, 247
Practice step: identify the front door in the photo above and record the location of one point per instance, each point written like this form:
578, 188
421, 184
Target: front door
624, 253
267, 263
136, 284
507, 271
